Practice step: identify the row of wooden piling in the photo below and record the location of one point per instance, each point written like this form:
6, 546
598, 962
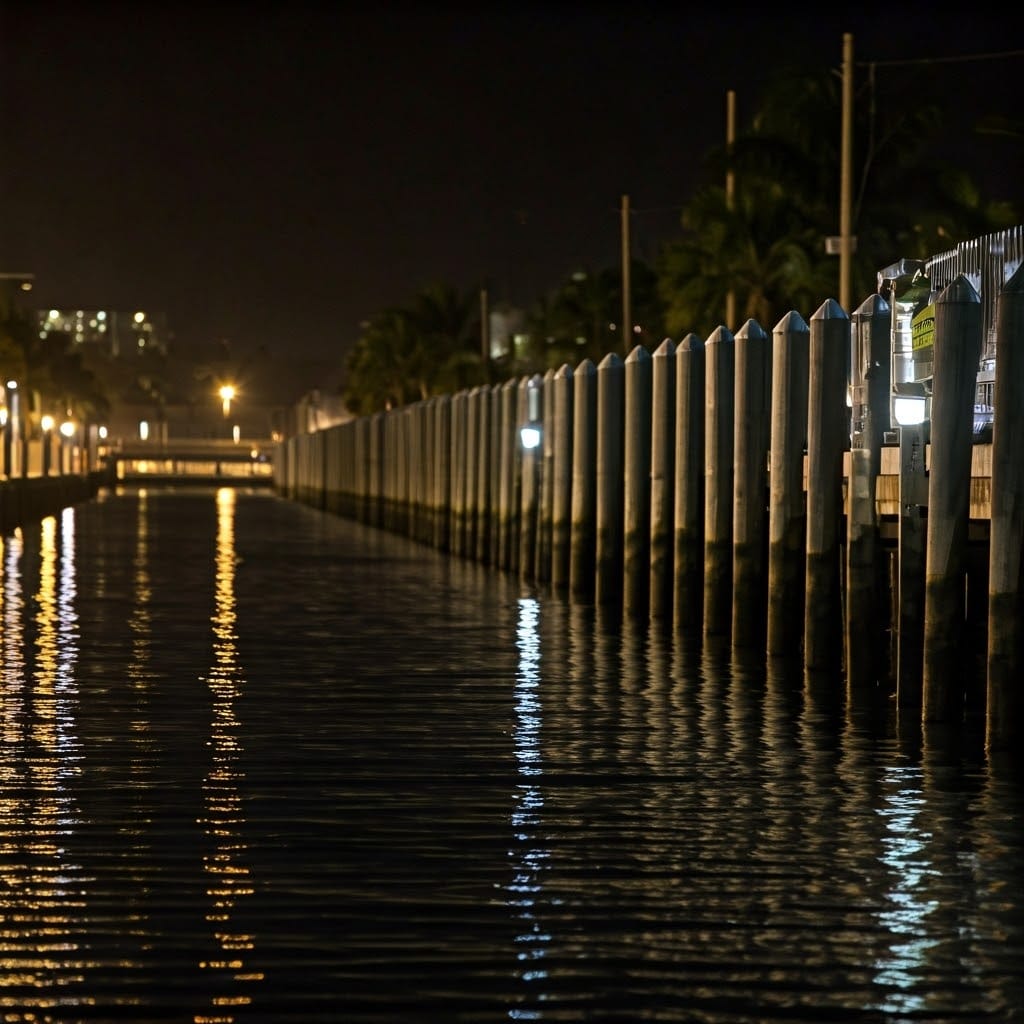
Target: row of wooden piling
726, 485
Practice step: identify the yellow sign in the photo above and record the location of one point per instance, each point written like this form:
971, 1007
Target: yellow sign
922, 328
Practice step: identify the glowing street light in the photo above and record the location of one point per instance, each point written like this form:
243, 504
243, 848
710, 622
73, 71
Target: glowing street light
47, 424
227, 392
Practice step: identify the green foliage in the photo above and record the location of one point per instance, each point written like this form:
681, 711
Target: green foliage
768, 246
51, 373
406, 354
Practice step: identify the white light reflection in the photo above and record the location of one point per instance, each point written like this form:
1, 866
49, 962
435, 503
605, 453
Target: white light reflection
228, 875
526, 855
905, 854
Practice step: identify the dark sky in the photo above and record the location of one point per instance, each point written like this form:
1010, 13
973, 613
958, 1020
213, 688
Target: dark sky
276, 174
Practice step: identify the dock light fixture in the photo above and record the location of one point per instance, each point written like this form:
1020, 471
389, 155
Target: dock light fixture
908, 411
530, 432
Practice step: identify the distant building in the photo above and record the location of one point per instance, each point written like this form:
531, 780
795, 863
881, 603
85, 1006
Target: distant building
116, 333
13, 287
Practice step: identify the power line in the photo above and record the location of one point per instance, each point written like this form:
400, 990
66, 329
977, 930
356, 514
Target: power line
941, 60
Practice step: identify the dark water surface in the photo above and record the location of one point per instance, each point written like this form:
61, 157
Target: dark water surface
261, 764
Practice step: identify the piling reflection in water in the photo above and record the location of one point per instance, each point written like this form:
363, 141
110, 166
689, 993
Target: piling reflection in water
262, 766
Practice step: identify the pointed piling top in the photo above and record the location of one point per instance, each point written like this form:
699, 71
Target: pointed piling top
830, 310
585, 368
610, 362
692, 343
959, 290
639, 355
665, 349
873, 305
792, 323
564, 372
1015, 284
752, 331
720, 335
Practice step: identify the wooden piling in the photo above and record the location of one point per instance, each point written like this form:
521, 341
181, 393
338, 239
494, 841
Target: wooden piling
460, 421
911, 542
561, 476
752, 430
583, 533
637, 483
530, 393
508, 499
787, 515
663, 419
720, 367
827, 439
865, 577
957, 352
494, 472
442, 472
473, 440
1004, 693
546, 458
610, 414
688, 542
484, 475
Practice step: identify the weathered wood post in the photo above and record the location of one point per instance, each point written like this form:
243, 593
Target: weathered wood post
827, 439
377, 469
752, 430
610, 414
865, 579
531, 429
636, 471
508, 463
561, 476
485, 472
1004, 693
460, 419
442, 471
494, 472
957, 352
663, 431
787, 510
720, 355
911, 542
430, 470
688, 584
583, 532
473, 402
546, 459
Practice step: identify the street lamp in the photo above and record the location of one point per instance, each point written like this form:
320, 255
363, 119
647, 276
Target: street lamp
227, 392
67, 429
47, 424
10, 422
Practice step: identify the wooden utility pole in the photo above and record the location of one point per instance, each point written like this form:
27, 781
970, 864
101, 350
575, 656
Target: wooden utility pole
730, 192
846, 178
627, 311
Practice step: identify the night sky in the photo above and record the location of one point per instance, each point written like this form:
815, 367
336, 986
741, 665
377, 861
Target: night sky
273, 175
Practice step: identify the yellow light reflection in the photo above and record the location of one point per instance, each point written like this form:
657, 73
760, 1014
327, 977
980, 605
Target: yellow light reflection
228, 874
43, 891
527, 855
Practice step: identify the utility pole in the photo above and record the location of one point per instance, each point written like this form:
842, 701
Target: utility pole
730, 193
627, 312
485, 328
846, 178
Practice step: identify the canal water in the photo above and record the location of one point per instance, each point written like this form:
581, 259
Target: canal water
263, 764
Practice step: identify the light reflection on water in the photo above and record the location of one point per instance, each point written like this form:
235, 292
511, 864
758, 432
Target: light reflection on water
263, 765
